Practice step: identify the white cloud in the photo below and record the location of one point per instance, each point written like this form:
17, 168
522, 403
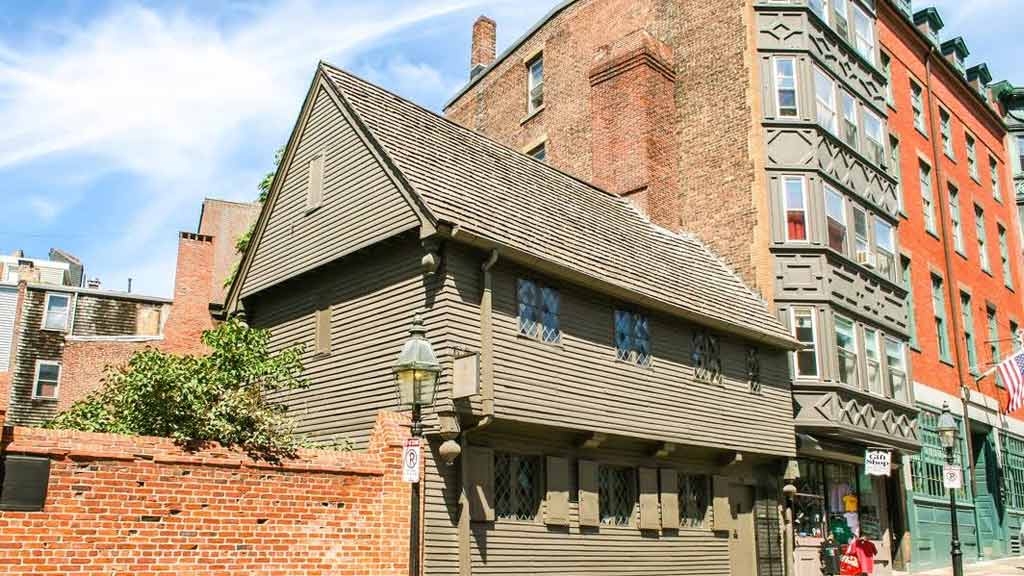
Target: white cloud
44, 208
173, 98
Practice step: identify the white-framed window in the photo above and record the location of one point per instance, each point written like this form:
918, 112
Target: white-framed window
861, 240
885, 249
895, 356
874, 132
795, 198
917, 104
786, 100
835, 216
895, 169
535, 83
927, 198
57, 311
873, 356
840, 20
972, 157
1004, 256
946, 132
954, 216
851, 132
846, 351
887, 70
864, 34
819, 7
46, 383
825, 95
806, 364
979, 229
993, 168
11, 273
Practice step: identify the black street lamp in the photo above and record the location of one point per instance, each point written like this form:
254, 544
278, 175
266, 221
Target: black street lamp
948, 432
416, 372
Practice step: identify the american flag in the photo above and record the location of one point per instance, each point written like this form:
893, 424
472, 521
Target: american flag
1011, 371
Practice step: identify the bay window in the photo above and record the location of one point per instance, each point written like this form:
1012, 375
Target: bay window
885, 249
804, 329
850, 126
840, 20
864, 34
795, 197
846, 351
825, 95
895, 358
785, 87
835, 215
873, 131
872, 355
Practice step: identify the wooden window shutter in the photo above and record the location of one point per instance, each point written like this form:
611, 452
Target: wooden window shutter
650, 517
720, 510
590, 512
323, 328
480, 483
669, 499
315, 193
557, 502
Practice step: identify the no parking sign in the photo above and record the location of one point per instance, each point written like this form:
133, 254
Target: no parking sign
411, 461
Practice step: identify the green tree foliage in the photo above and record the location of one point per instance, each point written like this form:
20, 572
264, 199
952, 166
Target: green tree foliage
221, 397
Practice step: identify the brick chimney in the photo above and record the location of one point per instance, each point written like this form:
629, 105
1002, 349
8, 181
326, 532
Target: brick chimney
634, 146
190, 313
484, 45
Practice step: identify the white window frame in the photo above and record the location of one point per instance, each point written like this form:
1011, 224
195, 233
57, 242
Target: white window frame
778, 83
844, 14
845, 221
856, 349
847, 98
832, 108
531, 85
825, 10
786, 208
35, 379
858, 38
891, 393
882, 252
956, 218
981, 231
876, 139
993, 167
971, 145
946, 133
927, 196
46, 311
879, 351
814, 336
917, 105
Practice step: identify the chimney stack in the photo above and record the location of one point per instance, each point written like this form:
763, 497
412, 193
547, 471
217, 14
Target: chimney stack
484, 45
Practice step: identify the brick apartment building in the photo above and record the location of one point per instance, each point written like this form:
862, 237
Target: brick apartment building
773, 132
58, 332
1011, 106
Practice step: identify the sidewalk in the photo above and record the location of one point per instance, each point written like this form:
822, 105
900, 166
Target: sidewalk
1004, 567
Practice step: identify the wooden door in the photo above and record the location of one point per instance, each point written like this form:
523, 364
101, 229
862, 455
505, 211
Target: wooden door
742, 545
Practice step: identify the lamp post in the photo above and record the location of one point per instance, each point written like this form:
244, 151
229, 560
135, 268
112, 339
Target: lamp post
416, 372
948, 432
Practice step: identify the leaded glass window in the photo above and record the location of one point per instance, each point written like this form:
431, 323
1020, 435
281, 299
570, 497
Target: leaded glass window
694, 498
538, 311
616, 494
632, 337
517, 491
706, 356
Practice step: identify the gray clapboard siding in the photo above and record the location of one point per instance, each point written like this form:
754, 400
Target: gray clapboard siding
579, 384
360, 204
8, 310
373, 296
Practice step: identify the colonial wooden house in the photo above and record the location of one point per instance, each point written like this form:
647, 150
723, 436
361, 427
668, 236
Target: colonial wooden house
631, 412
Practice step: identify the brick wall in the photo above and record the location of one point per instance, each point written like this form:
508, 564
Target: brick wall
190, 314
85, 364
927, 251
225, 222
139, 506
720, 195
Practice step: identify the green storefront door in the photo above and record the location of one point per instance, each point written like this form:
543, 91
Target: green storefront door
987, 499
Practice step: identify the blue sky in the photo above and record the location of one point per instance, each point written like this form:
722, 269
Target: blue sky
118, 118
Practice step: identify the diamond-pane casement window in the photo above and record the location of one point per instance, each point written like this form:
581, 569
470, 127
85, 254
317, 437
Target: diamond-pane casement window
538, 311
694, 496
632, 338
707, 361
616, 494
516, 486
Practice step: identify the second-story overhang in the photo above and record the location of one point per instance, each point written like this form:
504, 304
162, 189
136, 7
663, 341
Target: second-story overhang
852, 416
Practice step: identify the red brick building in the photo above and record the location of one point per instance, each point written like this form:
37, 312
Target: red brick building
782, 134
959, 246
62, 337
